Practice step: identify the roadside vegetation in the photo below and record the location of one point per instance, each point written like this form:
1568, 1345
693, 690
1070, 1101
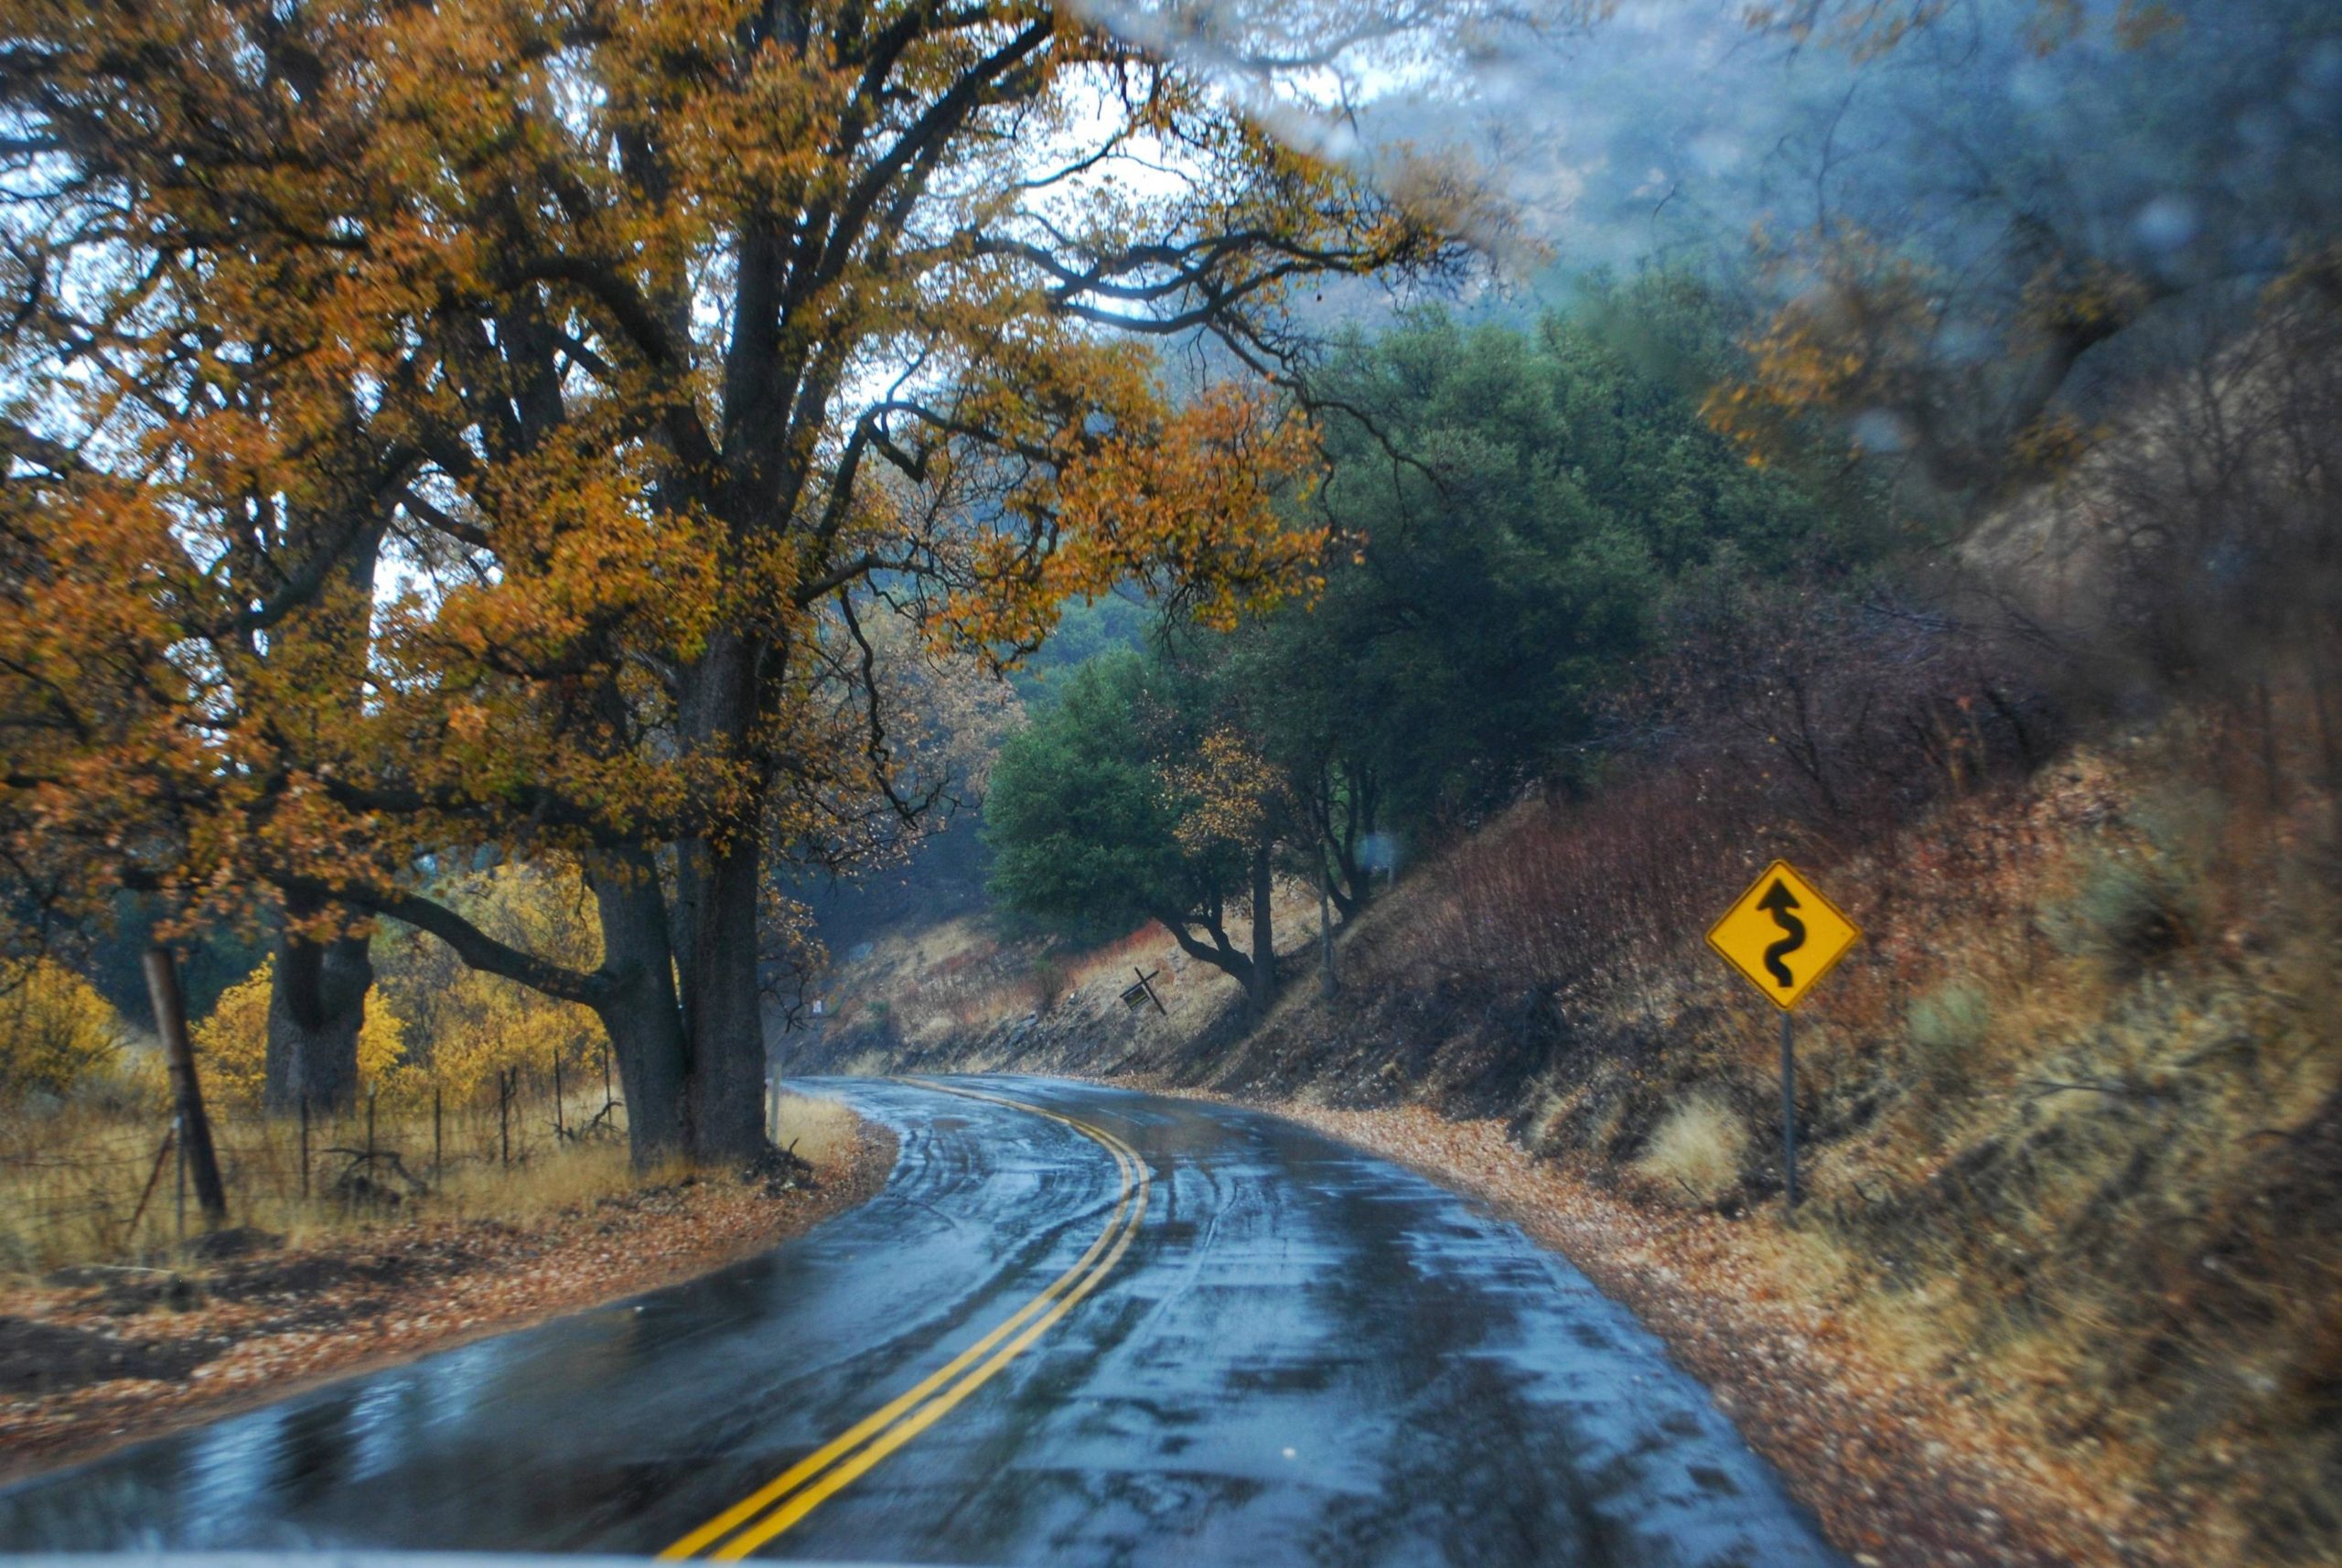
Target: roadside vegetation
538, 545
523, 444
94, 1352
2071, 1111
474, 1097
495, 501
1557, 507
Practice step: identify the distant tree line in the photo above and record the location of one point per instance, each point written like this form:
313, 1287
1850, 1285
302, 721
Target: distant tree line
1516, 517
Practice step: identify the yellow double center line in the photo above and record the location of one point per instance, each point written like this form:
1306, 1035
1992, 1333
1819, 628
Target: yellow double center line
829, 1469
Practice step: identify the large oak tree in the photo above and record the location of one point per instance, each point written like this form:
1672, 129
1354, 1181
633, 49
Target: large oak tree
483, 427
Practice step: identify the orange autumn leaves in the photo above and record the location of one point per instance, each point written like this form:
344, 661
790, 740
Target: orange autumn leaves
1859, 351
1225, 797
1192, 496
473, 380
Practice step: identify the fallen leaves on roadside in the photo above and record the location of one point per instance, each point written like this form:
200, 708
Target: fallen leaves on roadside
1902, 1468
262, 1325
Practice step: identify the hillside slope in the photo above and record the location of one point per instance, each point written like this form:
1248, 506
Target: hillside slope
2072, 1113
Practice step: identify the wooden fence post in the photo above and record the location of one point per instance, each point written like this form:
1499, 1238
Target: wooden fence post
195, 1131
154, 1179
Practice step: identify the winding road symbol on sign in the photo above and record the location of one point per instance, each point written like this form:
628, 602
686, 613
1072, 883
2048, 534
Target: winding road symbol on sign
1782, 915
1782, 935
1780, 901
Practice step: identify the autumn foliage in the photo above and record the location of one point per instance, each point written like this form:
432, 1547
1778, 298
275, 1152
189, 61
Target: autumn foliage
55, 1030
485, 428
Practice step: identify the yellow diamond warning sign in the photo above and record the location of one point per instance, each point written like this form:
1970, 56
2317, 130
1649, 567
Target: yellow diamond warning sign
1783, 935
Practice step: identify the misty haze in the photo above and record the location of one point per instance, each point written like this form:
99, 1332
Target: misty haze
1048, 783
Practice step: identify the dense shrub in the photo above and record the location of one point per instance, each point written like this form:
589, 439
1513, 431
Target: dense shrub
56, 1031
1947, 1027
1699, 1147
2128, 911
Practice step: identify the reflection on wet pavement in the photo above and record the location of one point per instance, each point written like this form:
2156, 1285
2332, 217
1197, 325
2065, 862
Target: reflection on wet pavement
1307, 1356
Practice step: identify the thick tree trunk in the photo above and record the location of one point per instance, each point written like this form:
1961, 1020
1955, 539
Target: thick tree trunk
317, 1006
193, 1127
723, 1004
718, 881
1263, 983
638, 1007
678, 933
633, 992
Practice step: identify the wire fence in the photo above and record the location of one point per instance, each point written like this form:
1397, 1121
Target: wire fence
107, 1183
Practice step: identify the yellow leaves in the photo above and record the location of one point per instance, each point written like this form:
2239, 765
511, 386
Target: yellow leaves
586, 304
467, 722
432, 1023
232, 1042
1192, 498
486, 1026
789, 932
461, 1027
1854, 341
1225, 796
55, 1030
231, 1047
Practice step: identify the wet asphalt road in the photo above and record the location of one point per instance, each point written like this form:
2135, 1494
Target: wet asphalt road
1298, 1355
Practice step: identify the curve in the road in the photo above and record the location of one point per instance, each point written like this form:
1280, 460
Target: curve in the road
796, 1491
1303, 1356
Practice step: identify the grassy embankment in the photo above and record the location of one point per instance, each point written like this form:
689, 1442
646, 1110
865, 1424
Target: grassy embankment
2072, 1113
88, 1182
105, 1350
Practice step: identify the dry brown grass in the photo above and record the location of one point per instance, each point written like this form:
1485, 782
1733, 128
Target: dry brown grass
926, 984
72, 1180
2071, 1113
1143, 950
942, 990
1698, 1148
244, 1330
1554, 889
2074, 1127
821, 1133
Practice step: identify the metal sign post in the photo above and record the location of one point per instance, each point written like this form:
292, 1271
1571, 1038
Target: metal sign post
1783, 917
1788, 1106
1141, 993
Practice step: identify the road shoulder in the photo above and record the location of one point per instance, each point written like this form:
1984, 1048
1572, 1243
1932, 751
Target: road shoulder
92, 1366
1899, 1470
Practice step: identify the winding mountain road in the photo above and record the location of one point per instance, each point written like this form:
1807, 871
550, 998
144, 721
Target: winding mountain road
1079, 1326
